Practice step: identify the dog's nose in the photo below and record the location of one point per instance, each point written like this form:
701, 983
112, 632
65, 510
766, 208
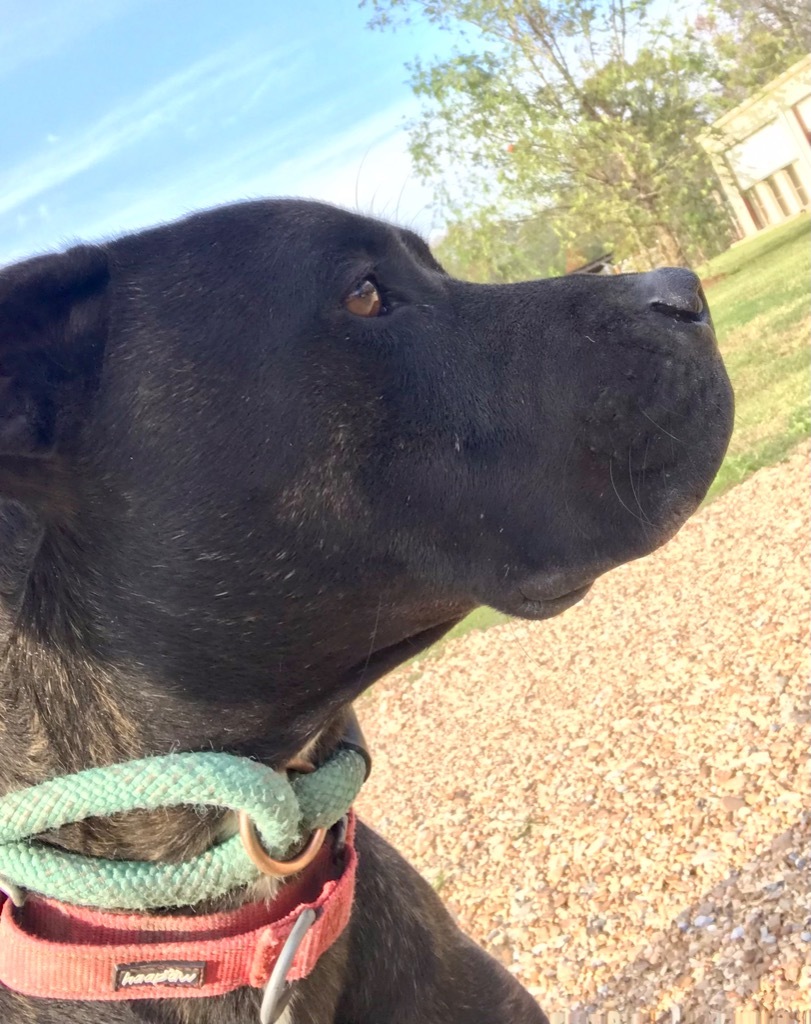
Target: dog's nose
676, 293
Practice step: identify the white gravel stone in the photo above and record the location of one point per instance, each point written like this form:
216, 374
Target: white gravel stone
617, 775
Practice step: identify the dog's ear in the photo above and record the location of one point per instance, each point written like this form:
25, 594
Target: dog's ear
53, 322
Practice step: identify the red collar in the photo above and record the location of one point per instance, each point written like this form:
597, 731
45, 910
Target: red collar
57, 951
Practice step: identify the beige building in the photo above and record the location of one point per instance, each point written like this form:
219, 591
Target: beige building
761, 151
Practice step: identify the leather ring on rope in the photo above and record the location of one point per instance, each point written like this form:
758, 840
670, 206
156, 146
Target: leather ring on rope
258, 855
269, 865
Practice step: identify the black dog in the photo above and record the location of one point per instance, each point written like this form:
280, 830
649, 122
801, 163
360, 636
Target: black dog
253, 460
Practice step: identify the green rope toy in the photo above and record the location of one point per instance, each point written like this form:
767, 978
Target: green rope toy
283, 810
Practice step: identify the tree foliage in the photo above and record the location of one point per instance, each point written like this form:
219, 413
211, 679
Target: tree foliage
583, 115
748, 42
486, 246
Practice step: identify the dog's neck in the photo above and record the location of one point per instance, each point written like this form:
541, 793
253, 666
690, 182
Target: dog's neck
60, 716
113, 660
85, 682
64, 707
52, 708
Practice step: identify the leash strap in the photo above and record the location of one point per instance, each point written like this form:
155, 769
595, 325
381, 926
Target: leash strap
54, 951
283, 810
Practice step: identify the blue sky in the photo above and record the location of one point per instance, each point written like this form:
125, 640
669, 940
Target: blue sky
117, 114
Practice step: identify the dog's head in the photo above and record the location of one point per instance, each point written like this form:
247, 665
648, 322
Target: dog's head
263, 454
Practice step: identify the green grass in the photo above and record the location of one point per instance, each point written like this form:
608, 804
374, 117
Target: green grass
482, 618
759, 295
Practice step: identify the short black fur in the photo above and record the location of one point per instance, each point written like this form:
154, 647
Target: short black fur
229, 506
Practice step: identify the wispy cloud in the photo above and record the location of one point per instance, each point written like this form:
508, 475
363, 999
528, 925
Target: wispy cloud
367, 168
33, 31
249, 120
126, 125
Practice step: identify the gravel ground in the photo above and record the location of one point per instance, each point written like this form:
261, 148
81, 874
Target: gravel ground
615, 802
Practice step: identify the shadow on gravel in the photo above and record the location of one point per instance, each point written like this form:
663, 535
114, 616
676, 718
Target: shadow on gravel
729, 958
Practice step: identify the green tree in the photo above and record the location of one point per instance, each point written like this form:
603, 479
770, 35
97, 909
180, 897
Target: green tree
586, 111
484, 246
749, 42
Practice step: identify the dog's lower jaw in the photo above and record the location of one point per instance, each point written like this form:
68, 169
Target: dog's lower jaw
546, 608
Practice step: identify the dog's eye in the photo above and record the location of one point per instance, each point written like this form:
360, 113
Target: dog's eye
364, 300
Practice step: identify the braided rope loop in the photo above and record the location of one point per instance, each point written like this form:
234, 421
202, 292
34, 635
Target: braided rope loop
284, 812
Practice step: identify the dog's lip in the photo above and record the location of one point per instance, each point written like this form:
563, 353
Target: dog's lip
563, 600
551, 586
554, 598
542, 595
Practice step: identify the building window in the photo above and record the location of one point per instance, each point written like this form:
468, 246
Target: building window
756, 209
774, 185
796, 184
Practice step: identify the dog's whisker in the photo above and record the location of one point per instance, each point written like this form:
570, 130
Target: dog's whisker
372, 638
645, 518
658, 427
630, 511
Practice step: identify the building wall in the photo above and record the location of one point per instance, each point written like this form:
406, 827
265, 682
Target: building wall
761, 151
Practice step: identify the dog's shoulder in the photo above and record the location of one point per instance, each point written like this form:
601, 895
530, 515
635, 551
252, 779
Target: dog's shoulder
408, 959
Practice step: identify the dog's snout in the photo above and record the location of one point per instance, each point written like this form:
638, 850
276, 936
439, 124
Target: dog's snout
669, 376
676, 293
